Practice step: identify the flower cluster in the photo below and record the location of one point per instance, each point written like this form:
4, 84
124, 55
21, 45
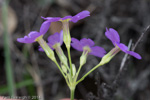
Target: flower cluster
86, 46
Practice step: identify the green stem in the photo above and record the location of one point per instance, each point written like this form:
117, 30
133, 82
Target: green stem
60, 69
70, 62
88, 73
78, 73
82, 62
72, 94
8, 67
62, 72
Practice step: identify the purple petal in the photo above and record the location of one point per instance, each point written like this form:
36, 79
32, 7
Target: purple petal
87, 42
51, 46
80, 16
44, 27
24, 40
53, 39
112, 35
67, 17
51, 19
61, 37
134, 54
33, 34
97, 51
30, 38
76, 44
123, 47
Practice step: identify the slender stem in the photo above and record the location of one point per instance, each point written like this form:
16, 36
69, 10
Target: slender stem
79, 69
81, 79
8, 67
78, 72
84, 55
60, 68
61, 72
72, 94
70, 62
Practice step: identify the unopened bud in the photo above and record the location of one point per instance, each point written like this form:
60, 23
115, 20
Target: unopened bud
73, 70
64, 68
83, 58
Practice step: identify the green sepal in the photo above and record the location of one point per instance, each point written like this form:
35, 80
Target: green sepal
106, 58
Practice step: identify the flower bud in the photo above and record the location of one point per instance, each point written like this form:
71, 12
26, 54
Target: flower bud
83, 58
73, 70
64, 68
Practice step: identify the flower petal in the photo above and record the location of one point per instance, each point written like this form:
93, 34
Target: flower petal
30, 38
24, 40
123, 47
61, 37
87, 42
67, 17
53, 39
134, 54
112, 35
44, 27
51, 19
97, 51
76, 44
80, 16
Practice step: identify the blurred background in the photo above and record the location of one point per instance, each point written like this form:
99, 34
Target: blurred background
33, 74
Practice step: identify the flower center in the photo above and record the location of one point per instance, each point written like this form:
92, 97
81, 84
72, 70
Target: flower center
115, 50
56, 45
87, 49
66, 20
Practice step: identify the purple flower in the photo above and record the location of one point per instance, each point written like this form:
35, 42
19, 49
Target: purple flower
33, 35
113, 35
87, 45
54, 39
74, 19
